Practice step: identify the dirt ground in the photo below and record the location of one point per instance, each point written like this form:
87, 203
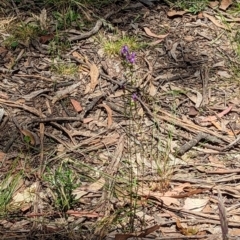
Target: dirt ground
151, 148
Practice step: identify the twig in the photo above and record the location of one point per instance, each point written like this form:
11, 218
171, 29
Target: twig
222, 216
235, 142
96, 28
187, 146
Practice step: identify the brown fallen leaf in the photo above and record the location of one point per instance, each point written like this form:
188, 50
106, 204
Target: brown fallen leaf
224, 74
87, 120
225, 4
221, 114
152, 89
83, 214
3, 95
2, 156
186, 231
214, 21
189, 38
33, 137
98, 185
109, 113
3, 50
155, 42
213, 4
151, 34
46, 38
195, 204
94, 74
144, 233
145, 191
76, 105
192, 111
174, 13
64, 92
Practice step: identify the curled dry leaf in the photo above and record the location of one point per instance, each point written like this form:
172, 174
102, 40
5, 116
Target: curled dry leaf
33, 137
151, 34
109, 112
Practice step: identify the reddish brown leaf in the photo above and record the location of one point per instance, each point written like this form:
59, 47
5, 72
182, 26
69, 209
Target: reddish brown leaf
46, 38
213, 118
192, 111
76, 105
2, 156
123, 236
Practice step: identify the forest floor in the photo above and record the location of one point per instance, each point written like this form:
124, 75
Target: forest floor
122, 126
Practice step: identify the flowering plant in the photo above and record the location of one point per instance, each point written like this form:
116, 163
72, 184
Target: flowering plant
129, 56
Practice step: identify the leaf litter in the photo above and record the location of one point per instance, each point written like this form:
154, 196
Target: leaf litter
156, 156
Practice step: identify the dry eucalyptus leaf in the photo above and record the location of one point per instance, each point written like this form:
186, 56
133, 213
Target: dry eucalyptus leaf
76, 105
94, 74
151, 34
192, 111
224, 74
2, 156
1, 113
213, 4
109, 113
152, 89
174, 13
225, 4
195, 204
64, 92
98, 185
214, 21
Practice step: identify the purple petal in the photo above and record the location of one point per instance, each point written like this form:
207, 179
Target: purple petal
124, 50
134, 96
131, 57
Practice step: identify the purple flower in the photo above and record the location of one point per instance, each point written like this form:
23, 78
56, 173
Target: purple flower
124, 50
134, 96
131, 57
